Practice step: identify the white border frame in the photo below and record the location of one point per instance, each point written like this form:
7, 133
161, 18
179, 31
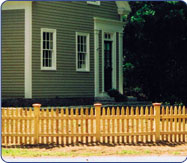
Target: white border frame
88, 51
54, 49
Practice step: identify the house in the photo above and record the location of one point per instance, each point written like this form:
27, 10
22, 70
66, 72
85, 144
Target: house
65, 49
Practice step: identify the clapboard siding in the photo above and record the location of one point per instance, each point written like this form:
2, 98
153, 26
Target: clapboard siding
67, 18
13, 54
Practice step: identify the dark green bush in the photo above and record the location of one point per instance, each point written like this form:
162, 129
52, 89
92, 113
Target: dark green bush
117, 95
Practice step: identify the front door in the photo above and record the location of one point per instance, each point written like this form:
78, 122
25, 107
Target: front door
107, 65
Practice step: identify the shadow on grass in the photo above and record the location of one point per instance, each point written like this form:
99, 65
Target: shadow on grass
50, 146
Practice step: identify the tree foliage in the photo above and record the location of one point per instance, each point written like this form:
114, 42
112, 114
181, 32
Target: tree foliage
155, 50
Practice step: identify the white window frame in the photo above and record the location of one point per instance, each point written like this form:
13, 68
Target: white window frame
53, 67
87, 60
98, 3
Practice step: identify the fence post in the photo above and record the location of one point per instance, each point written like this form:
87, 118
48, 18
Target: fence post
98, 114
36, 122
157, 120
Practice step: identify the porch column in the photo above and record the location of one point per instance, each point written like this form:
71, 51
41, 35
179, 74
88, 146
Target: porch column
96, 54
121, 62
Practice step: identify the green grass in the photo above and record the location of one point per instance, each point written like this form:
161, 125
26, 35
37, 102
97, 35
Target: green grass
176, 153
129, 152
30, 153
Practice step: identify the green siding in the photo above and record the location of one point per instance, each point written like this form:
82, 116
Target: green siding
67, 18
13, 54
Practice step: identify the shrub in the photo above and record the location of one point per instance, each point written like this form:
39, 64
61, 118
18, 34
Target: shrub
117, 95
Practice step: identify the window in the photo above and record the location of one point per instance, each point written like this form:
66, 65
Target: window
107, 36
94, 2
82, 52
48, 49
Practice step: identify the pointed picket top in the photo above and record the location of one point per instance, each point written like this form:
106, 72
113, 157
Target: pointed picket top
171, 110
141, 110
122, 111
104, 111
91, 111
127, 110
137, 110
108, 111
117, 111
132, 110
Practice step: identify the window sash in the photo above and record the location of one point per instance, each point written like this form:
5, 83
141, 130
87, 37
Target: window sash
82, 51
48, 49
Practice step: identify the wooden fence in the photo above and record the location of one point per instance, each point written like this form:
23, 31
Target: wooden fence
42, 125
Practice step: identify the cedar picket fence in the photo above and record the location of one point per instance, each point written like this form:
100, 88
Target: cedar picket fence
42, 125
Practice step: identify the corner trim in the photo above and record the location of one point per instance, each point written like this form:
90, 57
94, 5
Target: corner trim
27, 6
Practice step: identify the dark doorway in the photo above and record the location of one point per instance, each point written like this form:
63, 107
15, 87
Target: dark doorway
107, 65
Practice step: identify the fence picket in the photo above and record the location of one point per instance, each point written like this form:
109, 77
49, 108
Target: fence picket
82, 125
92, 125
122, 121
47, 124
146, 124
132, 124
86, 124
103, 123
108, 123
118, 124
179, 124
77, 125
163, 123
62, 125
167, 128
171, 123
3, 125
67, 125
142, 126
30, 125
127, 124
175, 124
151, 123
184, 121
113, 124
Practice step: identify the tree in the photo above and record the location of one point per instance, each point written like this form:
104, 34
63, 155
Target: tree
155, 50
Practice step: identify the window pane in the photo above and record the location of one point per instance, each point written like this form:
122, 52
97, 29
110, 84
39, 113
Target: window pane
43, 44
47, 35
43, 35
51, 36
84, 40
47, 44
50, 64
51, 45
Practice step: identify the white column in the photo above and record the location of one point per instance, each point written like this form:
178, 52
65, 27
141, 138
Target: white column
96, 54
121, 62
28, 50
114, 60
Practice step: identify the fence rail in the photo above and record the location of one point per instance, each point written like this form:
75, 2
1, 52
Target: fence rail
42, 125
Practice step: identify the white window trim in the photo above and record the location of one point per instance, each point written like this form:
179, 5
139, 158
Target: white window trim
54, 49
87, 69
98, 3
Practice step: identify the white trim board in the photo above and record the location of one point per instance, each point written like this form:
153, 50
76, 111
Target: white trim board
27, 6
